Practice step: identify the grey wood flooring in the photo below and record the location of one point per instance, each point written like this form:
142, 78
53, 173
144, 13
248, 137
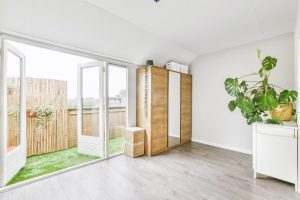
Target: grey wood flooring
173, 141
191, 171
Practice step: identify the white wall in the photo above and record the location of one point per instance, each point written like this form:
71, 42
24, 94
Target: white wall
297, 53
297, 74
83, 25
213, 123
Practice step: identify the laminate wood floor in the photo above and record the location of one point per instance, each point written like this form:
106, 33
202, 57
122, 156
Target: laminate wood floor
191, 171
173, 141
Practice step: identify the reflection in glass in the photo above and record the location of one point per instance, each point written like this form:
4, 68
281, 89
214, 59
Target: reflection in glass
174, 109
13, 68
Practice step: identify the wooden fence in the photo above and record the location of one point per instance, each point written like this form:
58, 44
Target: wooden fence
60, 133
13, 109
117, 123
55, 136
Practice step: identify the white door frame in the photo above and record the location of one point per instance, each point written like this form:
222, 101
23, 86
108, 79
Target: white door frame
88, 144
106, 109
11, 162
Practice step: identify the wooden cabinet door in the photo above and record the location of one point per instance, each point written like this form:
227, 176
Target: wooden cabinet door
159, 110
186, 108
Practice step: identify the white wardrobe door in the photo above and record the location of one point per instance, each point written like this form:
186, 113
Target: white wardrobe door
174, 105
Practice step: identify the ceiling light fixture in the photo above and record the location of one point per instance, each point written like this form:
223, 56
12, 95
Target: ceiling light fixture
156, 1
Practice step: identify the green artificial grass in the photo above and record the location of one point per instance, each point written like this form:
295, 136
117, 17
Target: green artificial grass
116, 145
46, 163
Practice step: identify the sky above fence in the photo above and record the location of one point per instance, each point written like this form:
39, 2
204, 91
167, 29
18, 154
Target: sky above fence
49, 64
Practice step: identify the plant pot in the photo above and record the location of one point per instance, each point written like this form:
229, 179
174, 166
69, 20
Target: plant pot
283, 112
30, 113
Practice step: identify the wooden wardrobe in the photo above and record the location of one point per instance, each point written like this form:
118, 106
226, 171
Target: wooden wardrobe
153, 101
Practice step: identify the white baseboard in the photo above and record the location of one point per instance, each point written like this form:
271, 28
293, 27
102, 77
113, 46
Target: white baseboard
245, 151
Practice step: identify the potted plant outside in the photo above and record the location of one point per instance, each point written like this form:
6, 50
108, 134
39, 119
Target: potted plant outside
43, 114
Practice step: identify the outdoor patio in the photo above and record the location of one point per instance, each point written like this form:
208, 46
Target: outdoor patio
52, 162
51, 141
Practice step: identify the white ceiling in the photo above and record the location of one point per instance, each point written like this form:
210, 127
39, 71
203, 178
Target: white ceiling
203, 26
82, 25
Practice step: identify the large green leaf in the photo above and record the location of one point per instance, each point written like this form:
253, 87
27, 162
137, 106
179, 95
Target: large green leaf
288, 96
232, 86
265, 101
245, 106
293, 95
232, 105
244, 86
269, 63
253, 117
284, 96
272, 92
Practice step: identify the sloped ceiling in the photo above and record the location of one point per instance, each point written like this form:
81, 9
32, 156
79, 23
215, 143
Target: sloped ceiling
203, 26
80, 24
137, 30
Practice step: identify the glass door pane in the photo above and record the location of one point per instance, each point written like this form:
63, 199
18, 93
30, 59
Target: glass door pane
90, 101
13, 100
117, 117
91, 113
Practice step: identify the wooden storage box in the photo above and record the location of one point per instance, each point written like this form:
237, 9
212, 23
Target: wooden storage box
134, 141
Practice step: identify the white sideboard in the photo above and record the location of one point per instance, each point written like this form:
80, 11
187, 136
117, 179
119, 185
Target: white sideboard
275, 151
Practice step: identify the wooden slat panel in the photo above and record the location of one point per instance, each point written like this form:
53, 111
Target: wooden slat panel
186, 108
159, 110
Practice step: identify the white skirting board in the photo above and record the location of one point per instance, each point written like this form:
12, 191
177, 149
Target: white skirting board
245, 151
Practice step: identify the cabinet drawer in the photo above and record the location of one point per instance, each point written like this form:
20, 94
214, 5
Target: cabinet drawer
281, 132
276, 150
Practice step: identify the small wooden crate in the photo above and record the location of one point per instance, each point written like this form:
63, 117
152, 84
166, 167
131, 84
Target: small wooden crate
134, 141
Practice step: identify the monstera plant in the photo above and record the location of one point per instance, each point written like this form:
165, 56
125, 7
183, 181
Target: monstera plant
259, 100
